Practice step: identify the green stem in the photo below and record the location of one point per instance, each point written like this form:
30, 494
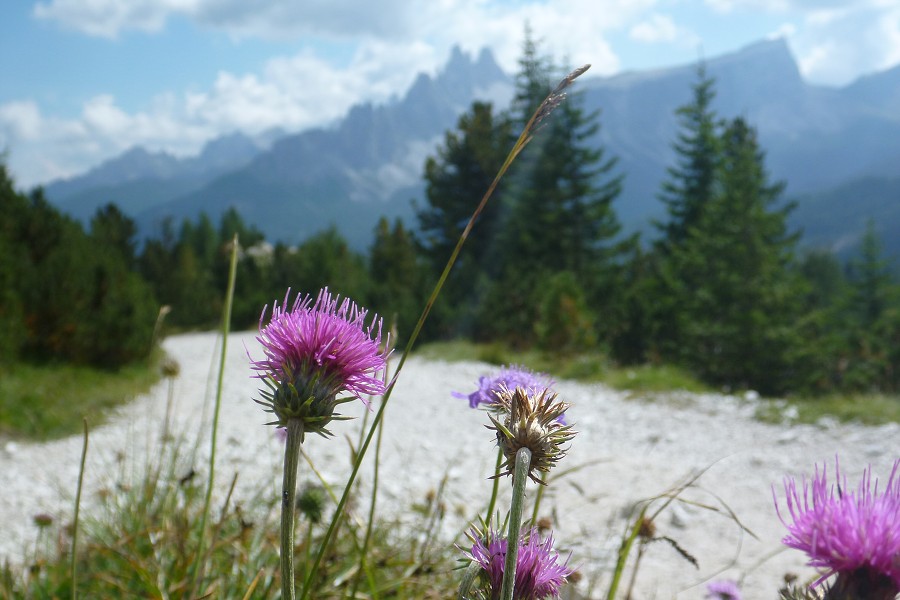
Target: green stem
537, 499
74, 562
520, 476
624, 551
309, 543
288, 502
169, 402
226, 326
363, 565
493, 502
468, 579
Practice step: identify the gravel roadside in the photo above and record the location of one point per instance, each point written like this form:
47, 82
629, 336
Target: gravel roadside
627, 449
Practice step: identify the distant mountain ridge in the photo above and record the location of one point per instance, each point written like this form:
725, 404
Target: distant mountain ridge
827, 143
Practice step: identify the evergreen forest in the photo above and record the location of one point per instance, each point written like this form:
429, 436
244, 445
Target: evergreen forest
723, 287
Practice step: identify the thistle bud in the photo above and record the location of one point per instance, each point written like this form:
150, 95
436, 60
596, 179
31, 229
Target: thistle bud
525, 420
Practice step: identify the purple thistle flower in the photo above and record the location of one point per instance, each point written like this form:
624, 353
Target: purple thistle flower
538, 574
853, 534
315, 351
723, 589
508, 378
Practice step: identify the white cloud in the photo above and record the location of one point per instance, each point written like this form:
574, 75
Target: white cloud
107, 18
267, 19
835, 45
727, 6
291, 93
776, 6
889, 25
785, 30
655, 28
20, 120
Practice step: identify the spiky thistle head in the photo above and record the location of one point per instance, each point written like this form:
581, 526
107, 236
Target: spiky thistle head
528, 420
315, 352
539, 574
855, 535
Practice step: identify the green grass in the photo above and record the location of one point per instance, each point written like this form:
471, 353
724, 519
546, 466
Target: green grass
584, 367
144, 545
43, 402
866, 409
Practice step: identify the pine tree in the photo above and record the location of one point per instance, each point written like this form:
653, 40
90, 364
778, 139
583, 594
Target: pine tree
691, 182
871, 277
738, 299
559, 203
396, 275
456, 179
685, 194
112, 228
15, 269
870, 321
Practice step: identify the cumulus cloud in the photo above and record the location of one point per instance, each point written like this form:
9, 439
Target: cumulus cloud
291, 93
575, 27
106, 18
725, 6
835, 44
259, 18
659, 28
43, 147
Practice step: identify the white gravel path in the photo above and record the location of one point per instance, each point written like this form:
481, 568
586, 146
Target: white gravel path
629, 450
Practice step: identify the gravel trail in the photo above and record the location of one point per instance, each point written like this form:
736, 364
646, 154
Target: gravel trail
627, 449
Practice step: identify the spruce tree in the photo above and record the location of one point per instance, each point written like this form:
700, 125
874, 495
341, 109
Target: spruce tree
691, 181
685, 194
870, 273
396, 275
738, 298
559, 205
456, 179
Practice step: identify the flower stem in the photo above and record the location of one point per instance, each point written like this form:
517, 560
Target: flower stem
363, 553
493, 502
537, 499
226, 327
469, 576
624, 551
288, 501
520, 476
84, 449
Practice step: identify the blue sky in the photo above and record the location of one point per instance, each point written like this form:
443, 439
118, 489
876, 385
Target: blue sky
83, 80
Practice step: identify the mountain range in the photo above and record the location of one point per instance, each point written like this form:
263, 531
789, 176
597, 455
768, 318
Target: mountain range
838, 150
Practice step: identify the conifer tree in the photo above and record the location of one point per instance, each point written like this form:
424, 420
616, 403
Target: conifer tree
737, 298
691, 181
559, 203
15, 269
396, 276
871, 276
685, 194
456, 179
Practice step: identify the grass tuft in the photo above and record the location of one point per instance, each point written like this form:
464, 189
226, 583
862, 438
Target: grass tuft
44, 402
865, 409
